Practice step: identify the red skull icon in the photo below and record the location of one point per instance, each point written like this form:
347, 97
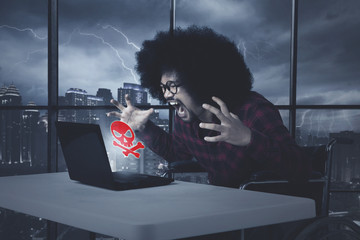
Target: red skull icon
125, 135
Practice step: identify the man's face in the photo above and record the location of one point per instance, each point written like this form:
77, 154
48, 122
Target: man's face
178, 97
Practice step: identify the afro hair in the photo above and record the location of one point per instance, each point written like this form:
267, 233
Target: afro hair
207, 64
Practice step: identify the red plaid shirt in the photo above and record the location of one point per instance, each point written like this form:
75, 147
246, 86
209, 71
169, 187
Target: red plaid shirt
271, 146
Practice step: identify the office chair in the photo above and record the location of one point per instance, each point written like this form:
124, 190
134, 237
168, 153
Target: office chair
316, 188
322, 226
339, 226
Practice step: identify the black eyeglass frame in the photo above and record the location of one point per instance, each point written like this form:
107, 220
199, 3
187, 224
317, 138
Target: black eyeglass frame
169, 85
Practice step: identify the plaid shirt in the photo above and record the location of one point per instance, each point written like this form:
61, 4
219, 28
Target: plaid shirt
271, 146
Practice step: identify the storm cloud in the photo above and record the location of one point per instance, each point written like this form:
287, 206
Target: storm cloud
99, 38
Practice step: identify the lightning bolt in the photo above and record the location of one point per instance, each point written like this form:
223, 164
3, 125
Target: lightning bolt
319, 125
24, 30
303, 118
115, 51
29, 53
332, 121
243, 46
70, 37
118, 31
27, 59
311, 121
347, 120
259, 52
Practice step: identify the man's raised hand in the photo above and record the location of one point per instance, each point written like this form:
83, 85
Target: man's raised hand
231, 128
131, 115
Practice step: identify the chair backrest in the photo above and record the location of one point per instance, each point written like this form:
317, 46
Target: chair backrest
267, 181
318, 156
316, 188
321, 157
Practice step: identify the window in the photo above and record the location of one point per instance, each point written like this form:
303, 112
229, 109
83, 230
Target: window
97, 47
96, 64
261, 30
328, 57
328, 91
97, 42
327, 67
23, 90
23, 61
23, 94
23, 79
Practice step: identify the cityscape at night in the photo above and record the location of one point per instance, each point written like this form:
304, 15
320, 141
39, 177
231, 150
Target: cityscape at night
97, 46
24, 134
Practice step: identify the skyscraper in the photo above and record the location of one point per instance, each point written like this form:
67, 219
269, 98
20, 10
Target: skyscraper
138, 96
10, 125
29, 129
2, 126
79, 97
76, 97
93, 115
105, 94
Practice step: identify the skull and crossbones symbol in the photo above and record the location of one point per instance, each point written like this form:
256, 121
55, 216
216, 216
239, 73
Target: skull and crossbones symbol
125, 135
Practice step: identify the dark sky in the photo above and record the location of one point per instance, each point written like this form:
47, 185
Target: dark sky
98, 40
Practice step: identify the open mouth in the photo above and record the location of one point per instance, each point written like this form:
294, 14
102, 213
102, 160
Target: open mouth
179, 107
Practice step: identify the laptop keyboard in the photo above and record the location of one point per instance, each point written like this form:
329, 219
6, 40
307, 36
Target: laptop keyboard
130, 180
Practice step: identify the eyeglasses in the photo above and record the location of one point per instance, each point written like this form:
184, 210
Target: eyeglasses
170, 86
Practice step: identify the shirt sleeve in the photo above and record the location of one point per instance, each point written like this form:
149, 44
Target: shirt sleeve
271, 146
166, 145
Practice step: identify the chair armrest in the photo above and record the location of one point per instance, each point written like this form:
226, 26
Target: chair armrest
185, 167
272, 176
265, 176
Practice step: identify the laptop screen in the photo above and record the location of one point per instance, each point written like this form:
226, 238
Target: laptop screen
85, 153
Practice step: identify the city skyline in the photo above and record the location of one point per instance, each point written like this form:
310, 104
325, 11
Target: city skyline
21, 145
315, 125
99, 47
25, 130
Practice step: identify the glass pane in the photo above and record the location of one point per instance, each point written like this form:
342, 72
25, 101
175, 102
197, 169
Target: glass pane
341, 202
23, 47
329, 56
261, 30
285, 117
14, 225
97, 48
66, 232
23, 81
148, 162
23, 142
346, 161
315, 126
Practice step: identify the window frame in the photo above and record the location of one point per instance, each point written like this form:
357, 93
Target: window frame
53, 107
53, 82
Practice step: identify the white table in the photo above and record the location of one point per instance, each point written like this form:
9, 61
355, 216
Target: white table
178, 210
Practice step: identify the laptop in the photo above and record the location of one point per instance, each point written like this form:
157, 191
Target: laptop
87, 160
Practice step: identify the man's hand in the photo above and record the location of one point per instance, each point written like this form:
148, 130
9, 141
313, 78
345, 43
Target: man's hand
231, 129
131, 115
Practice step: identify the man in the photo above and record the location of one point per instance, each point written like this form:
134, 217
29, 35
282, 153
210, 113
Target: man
229, 129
